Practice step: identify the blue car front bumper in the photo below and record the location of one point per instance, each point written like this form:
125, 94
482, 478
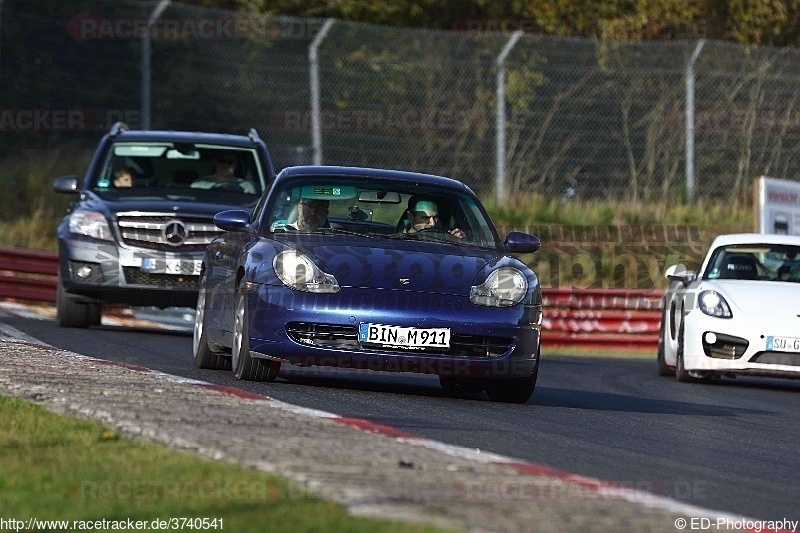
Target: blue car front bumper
322, 329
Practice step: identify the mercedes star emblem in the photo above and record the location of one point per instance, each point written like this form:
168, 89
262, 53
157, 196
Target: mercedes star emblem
175, 233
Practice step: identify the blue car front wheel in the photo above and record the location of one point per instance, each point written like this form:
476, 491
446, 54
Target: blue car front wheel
246, 367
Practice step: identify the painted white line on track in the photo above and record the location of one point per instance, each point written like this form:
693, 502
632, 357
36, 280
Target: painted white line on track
14, 334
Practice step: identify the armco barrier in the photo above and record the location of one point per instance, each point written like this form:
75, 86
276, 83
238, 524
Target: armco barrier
584, 318
28, 275
607, 318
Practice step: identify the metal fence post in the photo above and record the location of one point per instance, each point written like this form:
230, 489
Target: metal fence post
690, 121
500, 154
313, 60
1, 36
145, 106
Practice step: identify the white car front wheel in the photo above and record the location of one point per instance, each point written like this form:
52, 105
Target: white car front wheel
683, 375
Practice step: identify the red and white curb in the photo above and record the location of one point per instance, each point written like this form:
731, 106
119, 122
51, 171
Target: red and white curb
587, 486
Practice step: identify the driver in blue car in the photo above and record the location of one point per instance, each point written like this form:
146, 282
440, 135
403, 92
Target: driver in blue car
424, 214
311, 214
222, 175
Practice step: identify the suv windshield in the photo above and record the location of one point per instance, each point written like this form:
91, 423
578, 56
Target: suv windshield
146, 169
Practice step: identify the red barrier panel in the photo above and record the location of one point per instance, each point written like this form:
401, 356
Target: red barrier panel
28, 275
584, 318
28, 261
603, 318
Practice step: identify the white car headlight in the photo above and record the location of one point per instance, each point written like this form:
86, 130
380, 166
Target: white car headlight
91, 224
503, 288
713, 304
298, 272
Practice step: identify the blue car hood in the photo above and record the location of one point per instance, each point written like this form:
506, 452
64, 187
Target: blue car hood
401, 265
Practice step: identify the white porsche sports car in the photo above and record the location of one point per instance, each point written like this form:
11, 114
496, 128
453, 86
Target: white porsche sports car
739, 314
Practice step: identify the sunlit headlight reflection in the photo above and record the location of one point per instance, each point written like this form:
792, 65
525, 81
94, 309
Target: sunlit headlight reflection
298, 272
503, 288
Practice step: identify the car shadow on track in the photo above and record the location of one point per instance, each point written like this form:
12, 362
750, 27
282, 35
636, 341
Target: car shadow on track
606, 401
371, 381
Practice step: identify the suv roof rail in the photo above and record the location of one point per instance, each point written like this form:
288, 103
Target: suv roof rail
117, 128
253, 134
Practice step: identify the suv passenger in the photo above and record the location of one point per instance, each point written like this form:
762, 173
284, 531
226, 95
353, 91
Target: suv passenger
142, 244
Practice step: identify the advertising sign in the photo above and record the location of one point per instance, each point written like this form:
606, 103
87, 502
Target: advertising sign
778, 206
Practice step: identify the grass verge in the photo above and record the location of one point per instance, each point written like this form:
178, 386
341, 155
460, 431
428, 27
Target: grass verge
57, 468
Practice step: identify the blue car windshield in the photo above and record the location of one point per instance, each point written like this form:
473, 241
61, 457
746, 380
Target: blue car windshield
380, 210
195, 172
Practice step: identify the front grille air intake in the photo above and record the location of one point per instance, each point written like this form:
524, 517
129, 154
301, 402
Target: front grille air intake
166, 232
334, 336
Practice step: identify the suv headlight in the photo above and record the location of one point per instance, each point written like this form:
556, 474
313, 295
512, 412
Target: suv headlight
298, 272
713, 304
91, 224
503, 288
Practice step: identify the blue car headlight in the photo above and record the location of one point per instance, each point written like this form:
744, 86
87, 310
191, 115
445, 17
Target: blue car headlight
504, 287
91, 224
712, 303
298, 272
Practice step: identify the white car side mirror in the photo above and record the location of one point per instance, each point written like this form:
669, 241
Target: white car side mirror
680, 273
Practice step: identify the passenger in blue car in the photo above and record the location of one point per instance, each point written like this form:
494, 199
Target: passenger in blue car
422, 214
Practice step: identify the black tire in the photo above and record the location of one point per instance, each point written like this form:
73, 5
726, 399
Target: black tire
663, 368
683, 375
244, 366
462, 384
204, 356
69, 313
95, 313
513, 390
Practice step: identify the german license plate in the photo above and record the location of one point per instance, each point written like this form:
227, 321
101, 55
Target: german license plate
153, 265
783, 344
403, 337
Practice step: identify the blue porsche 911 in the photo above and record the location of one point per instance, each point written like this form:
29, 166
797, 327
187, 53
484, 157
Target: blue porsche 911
371, 269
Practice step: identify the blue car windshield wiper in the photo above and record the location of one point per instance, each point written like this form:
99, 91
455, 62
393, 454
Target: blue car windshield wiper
340, 231
404, 236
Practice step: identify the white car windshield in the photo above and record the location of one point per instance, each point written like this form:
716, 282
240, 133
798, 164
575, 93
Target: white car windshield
764, 262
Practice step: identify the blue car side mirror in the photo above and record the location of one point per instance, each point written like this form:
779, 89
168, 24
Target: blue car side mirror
521, 243
233, 220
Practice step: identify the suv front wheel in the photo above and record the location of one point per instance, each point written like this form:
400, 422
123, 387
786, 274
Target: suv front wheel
69, 313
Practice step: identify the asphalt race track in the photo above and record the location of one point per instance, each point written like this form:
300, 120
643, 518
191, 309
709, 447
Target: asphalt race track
730, 446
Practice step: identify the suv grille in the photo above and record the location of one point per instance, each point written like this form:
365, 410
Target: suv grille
167, 233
